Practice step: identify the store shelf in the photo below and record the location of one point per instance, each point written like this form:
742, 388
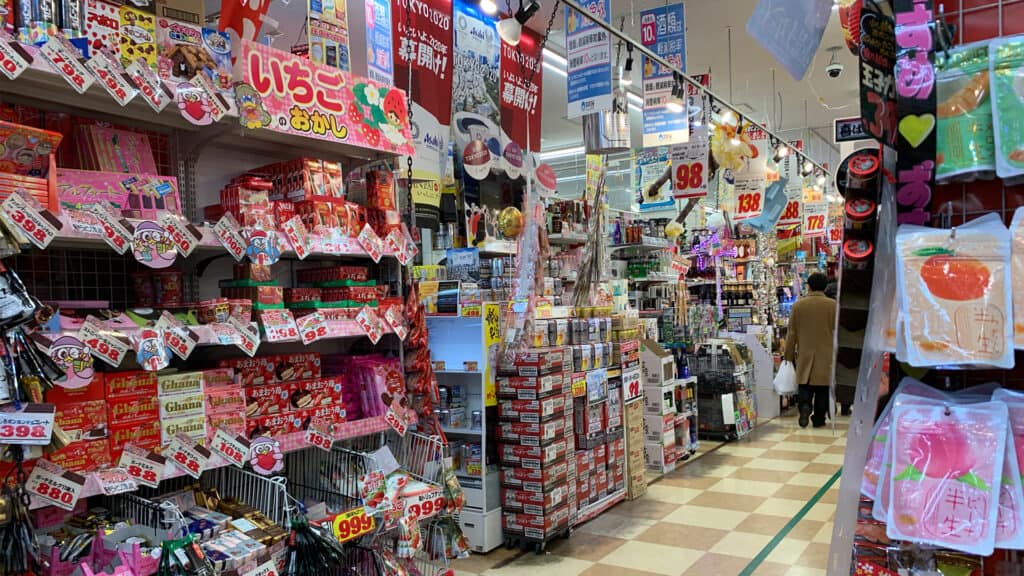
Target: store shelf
567, 239
658, 277
497, 248
647, 243
591, 511
458, 372
461, 431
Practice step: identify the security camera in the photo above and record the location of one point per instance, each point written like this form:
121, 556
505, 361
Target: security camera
834, 69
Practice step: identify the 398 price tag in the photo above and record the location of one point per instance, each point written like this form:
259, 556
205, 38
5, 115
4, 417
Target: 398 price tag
312, 327
183, 234
279, 325
231, 447
102, 343
31, 426
55, 485
187, 455
371, 324
114, 232
13, 59
230, 236
298, 236
111, 77
372, 243
631, 388
37, 225
145, 466
352, 524
64, 61
815, 215
317, 437
249, 339
150, 86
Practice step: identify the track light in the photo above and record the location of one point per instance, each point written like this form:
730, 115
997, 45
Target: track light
728, 117
626, 77
807, 169
511, 29
675, 101
489, 7
821, 179
781, 152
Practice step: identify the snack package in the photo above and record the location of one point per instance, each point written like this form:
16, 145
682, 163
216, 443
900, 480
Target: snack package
947, 459
1017, 275
1006, 67
955, 297
1015, 449
964, 140
372, 487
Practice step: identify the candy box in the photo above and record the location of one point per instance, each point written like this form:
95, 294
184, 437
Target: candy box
536, 526
138, 36
136, 195
214, 378
534, 502
90, 392
532, 434
182, 405
534, 479
532, 456
531, 410
297, 366
233, 422
537, 361
186, 49
180, 383
82, 456
269, 399
192, 426
318, 392
83, 420
130, 409
250, 371
145, 434
225, 400
323, 414
273, 426
102, 25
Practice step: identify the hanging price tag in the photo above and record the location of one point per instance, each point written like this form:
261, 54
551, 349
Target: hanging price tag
31, 426
372, 243
181, 341
230, 236
103, 344
398, 423
749, 195
218, 106
250, 339
815, 214
689, 169
410, 248
631, 389
145, 466
791, 214
55, 485
187, 455
393, 316
112, 77
114, 232
352, 524
38, 225
371, 324
395, 244
680, 264
298, 236
424, 505
184, 235
317, 437
835, 229
279, 325
150, 86
13, 58
115, 481
268, 568
312, 327
231, 447
64, 59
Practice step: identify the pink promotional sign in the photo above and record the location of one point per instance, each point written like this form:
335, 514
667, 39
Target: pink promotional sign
325, 103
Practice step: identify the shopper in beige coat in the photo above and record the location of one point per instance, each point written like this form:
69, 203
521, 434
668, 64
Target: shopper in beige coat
809, 346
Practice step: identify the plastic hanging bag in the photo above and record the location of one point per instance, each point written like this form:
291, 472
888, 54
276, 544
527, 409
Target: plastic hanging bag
1014, 517
1006, 67
785, 380
947, 465
955, 297
1017, 275
966, 148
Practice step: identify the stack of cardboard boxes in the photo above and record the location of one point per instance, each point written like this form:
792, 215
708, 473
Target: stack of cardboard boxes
659, 379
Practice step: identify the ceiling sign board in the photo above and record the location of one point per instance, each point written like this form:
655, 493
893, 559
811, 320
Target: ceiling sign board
849, 130
790, 30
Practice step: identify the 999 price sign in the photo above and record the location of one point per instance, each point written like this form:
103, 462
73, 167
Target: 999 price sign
55, 485
424, 505
689, 169
352, 524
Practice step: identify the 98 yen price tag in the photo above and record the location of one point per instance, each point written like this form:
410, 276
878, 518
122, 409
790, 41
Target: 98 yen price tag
187, 455
312, 327
231, 447
55, 485
145, 466
689, 169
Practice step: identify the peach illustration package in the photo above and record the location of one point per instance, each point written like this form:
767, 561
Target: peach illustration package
955, 297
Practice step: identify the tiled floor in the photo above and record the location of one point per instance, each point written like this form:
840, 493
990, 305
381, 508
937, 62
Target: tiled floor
710, 517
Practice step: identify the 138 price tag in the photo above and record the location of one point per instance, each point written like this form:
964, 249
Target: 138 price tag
312, 327
230, 236
352, 524
279, 325
35, 224
145, 466
102, 343
187, 455
372, 243
371, 324
64, 60
233, 448
317, 437
32, 426
749, 195
55, 485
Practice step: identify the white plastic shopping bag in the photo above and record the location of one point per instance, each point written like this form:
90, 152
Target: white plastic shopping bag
785, 379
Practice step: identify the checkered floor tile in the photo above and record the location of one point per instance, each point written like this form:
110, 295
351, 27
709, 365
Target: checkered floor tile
713, 515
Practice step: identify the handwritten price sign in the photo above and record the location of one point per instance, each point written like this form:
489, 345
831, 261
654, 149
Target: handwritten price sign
815, 216
102, 343
312, 327
230, 236
187, 455
54, 485
279, 325
146, 467
22, 216
64, 61
13, 60
352, 524
32, 426
183, 234
152, 88
372, 243
298, 236
631, 389
689, 169
371, 324
112, 78
231, 447
317, 437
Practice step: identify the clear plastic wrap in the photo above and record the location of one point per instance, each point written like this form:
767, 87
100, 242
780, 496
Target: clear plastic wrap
1017, 275
966, 148
1006, 67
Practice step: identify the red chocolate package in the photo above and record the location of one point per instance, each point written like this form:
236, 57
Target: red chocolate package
269, 399
137, 382
83, 420
82, 456
131, 409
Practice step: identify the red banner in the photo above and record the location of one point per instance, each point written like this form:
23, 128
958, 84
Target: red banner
429, 49
521, 89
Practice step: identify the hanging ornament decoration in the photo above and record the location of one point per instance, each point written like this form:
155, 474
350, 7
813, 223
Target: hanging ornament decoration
730, 146
849, 20
510, 222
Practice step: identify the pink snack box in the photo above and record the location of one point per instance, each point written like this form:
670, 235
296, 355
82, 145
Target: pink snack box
137, 195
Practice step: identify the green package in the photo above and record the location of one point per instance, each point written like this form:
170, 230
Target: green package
964, 142
1006, 65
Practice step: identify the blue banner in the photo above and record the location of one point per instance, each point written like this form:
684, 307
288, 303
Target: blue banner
589, 53
663, 30
379, 65
790, 30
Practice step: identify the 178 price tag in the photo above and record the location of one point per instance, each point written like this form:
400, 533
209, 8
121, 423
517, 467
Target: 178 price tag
32, 425
38, 225
234, 449
152, 88
114, 232
815, 214
352, 524
312, 327
187, 455
372, 243
298, 236
631, 388
55, 485
279, 325
183, 234
230, 236
64, 60
317, 437
249, 340
145, 466
371, 324
111, 77
102, 343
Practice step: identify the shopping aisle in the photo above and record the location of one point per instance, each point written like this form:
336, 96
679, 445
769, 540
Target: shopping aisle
715, 516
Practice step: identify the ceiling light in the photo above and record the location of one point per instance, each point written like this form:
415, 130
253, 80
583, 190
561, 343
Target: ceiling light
489, 7
807, 169
561, 153
626, 77
781, 152
560, 71
552, 55
511, 29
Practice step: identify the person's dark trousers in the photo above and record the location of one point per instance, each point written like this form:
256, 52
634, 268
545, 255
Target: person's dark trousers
814, 399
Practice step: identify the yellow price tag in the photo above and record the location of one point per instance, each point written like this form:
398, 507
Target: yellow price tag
352, 524
579, 387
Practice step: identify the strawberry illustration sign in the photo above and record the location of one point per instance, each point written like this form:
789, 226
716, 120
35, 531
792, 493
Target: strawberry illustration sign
322, 102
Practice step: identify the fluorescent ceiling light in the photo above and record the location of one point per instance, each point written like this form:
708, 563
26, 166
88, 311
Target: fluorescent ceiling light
489, 7
551, 55
560, 71
561, 153
634, 98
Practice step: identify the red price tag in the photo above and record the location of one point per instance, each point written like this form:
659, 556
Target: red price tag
268, 568
352, 524
298, 236
219, 107
114, 233
181, 341
111, 77
689, 169
317, 437
54, 485
815, 214
680, 264
233, 448
64, 60
31, 426
372, 243
187, 455
371, 324
279, 325
103, 344
21, 216
395, 243
424, 505
312, 327
183, 234
835, 231
145, 466
393, 316
631, 388
249, 340
13, 59
230, 236
749, 188
152, 88
791, 214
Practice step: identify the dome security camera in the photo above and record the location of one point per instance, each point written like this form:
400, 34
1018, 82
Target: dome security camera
833, 69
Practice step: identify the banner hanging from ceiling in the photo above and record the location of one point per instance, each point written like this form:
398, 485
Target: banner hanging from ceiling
650, 169
589, 53
663, 30
476, 98
790, 30
327, 28
427, 48
379, 65
521, 90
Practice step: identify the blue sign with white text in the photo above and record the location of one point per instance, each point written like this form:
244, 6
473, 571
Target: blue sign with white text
663, 30
588, 50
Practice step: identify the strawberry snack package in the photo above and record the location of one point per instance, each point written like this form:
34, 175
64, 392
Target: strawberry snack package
955, 297
1017, 275
947, 467
1015, 453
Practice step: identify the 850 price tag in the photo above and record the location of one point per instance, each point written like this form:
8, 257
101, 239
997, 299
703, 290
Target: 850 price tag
55, 485
279, 325
312, 327
183, 234
231, 447
32, 426
102, 343
317, 437
145, 466
230, 236
187, 455
352, 524
35, 224
64, 60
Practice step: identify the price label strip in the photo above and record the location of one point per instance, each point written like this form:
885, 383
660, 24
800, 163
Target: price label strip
145, 466
112, 77
231, 447
187, 455
279, 325
13, 58
115, 481
38, 225
352, 524
371, 324
372, 243
115, 233
249, 340
150, 86
298, 236
393, 316
312, 327
315, 436
31, 426
55, 485
184, 235
104, 344
230, 236
64, 59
